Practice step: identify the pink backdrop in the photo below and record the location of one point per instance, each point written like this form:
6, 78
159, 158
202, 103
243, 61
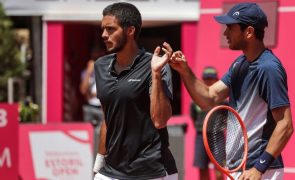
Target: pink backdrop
55, 69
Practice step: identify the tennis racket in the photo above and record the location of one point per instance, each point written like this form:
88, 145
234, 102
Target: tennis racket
225, 139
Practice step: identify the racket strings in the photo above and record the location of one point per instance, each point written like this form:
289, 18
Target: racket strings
234, 142
216, 134
225, 138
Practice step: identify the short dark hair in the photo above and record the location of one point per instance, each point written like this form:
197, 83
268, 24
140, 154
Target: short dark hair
127, 15
259, 33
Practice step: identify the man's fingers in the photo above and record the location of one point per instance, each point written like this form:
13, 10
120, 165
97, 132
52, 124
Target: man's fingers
179, 54
157, 50
167, 52
168, 47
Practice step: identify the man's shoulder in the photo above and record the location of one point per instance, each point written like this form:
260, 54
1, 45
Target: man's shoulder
238, 61
105, 58
146, 56
268, 61
241, 57
144, 59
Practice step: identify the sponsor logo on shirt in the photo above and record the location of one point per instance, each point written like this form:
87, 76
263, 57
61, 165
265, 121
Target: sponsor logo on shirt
134, 80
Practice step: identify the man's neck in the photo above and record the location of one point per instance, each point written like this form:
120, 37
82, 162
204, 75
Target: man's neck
125, 57
252, 52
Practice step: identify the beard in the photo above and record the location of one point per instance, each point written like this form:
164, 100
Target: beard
121, 42
238, 45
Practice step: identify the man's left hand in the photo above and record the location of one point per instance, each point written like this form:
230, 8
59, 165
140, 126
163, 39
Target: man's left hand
251, 174
158, 62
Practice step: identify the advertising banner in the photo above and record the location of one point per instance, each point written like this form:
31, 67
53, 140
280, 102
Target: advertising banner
56, 151
8, 141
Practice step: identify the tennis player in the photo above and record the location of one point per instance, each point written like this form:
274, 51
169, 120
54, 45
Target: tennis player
135, 89
256, 85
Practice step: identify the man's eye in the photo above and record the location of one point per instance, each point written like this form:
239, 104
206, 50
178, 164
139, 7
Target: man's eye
109, 28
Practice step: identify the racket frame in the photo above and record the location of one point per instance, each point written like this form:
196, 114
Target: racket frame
206, 144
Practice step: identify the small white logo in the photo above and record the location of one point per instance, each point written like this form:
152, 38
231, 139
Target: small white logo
134, 80
237, 13
235, 64
261, 161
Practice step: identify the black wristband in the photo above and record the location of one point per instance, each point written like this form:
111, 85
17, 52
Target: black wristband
264, 162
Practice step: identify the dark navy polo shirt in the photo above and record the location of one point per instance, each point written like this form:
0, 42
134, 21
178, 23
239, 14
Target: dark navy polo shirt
256, 88
135, 148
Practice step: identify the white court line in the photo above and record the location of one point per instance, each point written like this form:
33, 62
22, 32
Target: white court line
286, 9
211, 11
282, 9
289, 170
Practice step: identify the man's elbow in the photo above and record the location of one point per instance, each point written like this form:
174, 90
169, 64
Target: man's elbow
159, 125
160, 118
160, 122
290, 130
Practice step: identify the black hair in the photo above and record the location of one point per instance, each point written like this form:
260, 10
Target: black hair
259, 33
127, 15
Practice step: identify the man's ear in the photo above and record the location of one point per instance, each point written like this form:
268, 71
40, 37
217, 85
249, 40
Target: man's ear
250, 32
131, 31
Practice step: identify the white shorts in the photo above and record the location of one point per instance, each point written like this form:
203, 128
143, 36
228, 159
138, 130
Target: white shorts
271, 174
99, 176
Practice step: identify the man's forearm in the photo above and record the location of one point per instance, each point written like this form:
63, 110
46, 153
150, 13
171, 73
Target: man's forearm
161, 109
278, 140
197, 89
99, 160
282, 133
102, 139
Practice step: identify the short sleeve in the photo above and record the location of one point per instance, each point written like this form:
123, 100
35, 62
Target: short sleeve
226, 79
273, 86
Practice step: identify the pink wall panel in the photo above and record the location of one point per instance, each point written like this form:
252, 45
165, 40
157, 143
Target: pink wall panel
55, 54
188, 46
189, 41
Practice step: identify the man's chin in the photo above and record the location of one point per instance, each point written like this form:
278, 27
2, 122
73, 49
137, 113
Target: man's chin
114, 50
233, 48
109, 51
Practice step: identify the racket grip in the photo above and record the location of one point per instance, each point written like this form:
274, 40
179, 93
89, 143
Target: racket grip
264, 162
